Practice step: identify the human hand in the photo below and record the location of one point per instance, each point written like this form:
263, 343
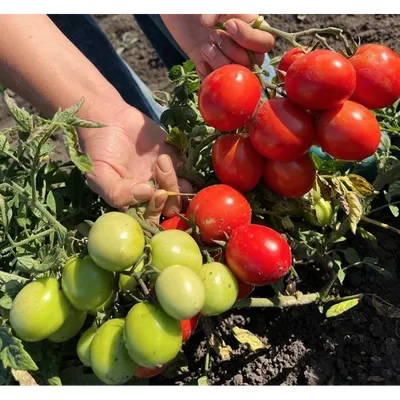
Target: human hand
126, 154
211, 48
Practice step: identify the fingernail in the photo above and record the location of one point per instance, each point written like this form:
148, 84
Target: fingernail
208, 19
164, 163
161, 198
202, 69
142, 191
216, 38
231, 27
208, 50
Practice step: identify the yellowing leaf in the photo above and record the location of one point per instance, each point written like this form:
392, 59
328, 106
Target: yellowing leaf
246, 337
340, 308
355, 211
361, 185
24, 378
202, 381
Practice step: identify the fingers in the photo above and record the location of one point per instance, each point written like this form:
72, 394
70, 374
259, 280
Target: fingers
214, 56
166, 178
116, 191
209, 20
155, 206
185, 187
233, 50
252, 39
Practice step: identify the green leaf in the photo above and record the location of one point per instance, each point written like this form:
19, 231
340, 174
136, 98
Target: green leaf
50, 367
394, 210
351, 255
20, 115
26, 262
55, 202
340, 308
377, 268
175, 73
355, 210
393, 191
4, 145
341, 275
318, 162
12, 352
287, 223
6, 302
275, 60
65, 116
81, 160
365, 234
83, 123
167, 119
202, 381
193, 87
189, 66
177, 138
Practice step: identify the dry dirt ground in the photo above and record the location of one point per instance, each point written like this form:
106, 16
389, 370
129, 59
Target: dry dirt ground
304, 348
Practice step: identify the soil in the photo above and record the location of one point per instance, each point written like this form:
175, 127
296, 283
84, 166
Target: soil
360, 347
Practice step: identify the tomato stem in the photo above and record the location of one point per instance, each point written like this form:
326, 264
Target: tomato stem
145, 226
380, 224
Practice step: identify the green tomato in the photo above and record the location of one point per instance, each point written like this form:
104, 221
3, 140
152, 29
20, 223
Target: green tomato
323, 213
85, 284
71, 327
152, 337
128, 282
221, 287
103, 307
83, 346
39, 310
180, 292
116, 241
109, 357
175, 247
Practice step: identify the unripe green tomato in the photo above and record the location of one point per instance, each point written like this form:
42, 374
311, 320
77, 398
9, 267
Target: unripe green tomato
109, 357
180, 292
221, 287
71, 327
175, 247
323, 211
38, 310
129, 282
103, 307
83, 346
85, 284
152, 337
116, 241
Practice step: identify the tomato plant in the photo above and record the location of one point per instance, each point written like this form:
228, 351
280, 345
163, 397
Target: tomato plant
348, 132
377, 72
236, 163
180, 292
189, 326
109, 357
323, 213
116, 241
320, 80
226, 109
287, 60
221, 288
290, 179
175, 247
83, 346
218, 209
281, 130
77, 274
175, 222
39, 310
71, 326
152, 337
258, 255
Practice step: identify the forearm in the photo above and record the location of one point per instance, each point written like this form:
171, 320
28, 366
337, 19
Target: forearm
39, 63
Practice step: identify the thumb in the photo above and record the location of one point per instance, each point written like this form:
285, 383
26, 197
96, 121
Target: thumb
208, 19
118, 192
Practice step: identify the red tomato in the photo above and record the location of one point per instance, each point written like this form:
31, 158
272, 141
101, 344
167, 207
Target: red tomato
189, 326
378, 76
244, 290
229, 96
281, 130
290, 179
217, 209
236, 163
320, 80
348, 132
175, 222
146, 373
287, 60
258, 255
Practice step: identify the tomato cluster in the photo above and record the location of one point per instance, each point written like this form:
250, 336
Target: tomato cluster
329, 102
